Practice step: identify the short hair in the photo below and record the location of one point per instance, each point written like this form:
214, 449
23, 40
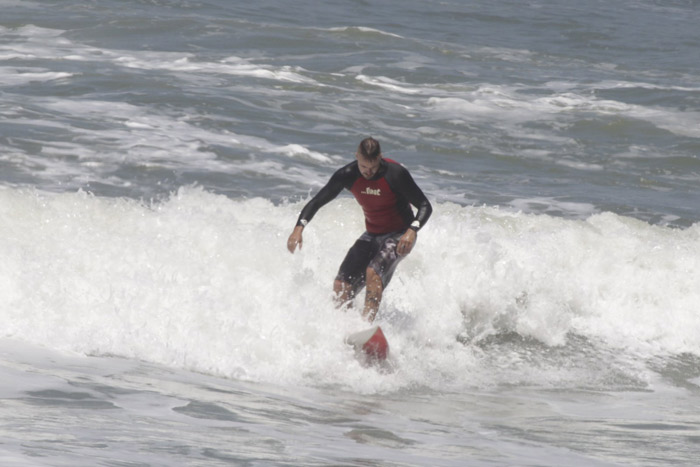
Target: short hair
369, 148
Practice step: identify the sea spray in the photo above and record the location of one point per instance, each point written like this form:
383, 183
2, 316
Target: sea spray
204, 282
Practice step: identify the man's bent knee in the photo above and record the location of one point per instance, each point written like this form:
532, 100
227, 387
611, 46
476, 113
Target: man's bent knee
343, 292
374, 280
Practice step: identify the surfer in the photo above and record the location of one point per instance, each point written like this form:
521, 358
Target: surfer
385, 190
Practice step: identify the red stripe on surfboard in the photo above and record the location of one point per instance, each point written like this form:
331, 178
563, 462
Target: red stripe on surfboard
376, 346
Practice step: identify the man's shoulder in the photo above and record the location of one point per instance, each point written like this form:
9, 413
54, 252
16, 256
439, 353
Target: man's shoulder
348, 170
395, 168
346, 175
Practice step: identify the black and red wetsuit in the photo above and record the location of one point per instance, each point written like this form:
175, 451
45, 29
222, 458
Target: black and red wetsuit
385, 198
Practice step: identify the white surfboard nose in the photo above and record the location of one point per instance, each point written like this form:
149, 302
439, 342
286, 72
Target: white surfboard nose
371, 343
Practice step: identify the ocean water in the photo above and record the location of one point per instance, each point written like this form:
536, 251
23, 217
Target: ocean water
154, 156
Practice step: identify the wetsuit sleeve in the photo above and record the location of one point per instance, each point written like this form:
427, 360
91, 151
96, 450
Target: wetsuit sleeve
335, 185
410, 190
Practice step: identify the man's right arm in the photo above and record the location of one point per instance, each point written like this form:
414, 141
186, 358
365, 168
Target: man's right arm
323, 197
335, 185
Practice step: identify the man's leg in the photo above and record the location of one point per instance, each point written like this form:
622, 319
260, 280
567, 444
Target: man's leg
373, 296
351, 274
343, 293
379, 273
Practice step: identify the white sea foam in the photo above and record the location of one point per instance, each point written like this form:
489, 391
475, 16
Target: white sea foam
387, 83
363, 29
553, 206
504, 103
643, 85
32, 44
145, 137
12, 76
293, 150
204, 282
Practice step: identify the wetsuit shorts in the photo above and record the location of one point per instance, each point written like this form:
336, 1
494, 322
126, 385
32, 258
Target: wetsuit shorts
377, 251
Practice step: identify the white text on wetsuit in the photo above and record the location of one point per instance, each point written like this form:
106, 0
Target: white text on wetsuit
370, 191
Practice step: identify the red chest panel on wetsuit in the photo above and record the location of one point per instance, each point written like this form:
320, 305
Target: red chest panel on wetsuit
378, 202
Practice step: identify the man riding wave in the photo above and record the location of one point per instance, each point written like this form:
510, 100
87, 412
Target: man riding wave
385, 190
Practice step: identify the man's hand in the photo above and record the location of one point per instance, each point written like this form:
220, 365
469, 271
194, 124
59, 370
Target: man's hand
406, 242
295, 239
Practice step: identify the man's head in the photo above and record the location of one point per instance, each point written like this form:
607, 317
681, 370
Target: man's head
369, 156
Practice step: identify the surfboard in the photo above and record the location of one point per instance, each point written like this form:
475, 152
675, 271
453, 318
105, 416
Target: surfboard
370, 345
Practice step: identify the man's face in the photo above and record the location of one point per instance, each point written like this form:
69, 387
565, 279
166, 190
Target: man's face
368, 168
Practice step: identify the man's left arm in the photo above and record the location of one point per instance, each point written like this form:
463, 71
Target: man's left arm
417, 198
